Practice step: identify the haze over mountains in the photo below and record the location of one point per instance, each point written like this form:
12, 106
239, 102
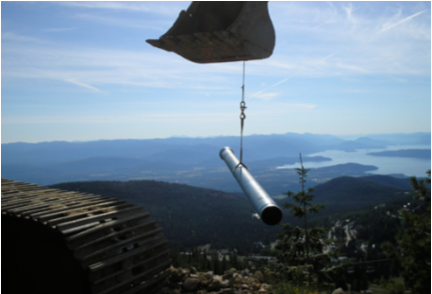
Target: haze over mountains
193, 161
147, 173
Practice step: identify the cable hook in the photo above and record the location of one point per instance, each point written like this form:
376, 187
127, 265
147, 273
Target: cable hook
242, 116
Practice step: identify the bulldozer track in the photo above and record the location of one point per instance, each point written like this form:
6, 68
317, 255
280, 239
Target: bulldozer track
110, 246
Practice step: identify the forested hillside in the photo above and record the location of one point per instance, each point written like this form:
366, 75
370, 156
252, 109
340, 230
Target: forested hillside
349, 193
192, 216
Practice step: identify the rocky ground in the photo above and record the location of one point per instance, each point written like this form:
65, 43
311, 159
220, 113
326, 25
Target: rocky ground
232, 282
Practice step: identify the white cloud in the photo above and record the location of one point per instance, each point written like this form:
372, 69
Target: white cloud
9, 36
165, 8
161, 26
314, 40
349, 10
265, 96
351, 67
280, 108
299, 106
86, 67
191, 117
55, 30
307, 32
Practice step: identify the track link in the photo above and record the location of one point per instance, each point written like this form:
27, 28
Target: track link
102, 245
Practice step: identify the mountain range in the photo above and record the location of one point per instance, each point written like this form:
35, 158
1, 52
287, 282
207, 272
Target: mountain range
193, 161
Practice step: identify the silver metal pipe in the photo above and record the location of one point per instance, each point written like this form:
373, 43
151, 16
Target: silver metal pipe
269, 212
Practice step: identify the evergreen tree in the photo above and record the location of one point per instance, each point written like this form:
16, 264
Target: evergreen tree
216, 264
204, 261
224, 264
300, 250
189, 258
175, 256
413, 251
234, 260
364, 283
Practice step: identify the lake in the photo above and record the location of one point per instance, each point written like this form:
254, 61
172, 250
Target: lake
386, 165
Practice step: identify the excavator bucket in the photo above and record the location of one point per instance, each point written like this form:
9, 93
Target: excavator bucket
221, 31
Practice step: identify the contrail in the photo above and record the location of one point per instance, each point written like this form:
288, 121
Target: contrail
284, 80
403, 20
278, 83
72, 81
325, 58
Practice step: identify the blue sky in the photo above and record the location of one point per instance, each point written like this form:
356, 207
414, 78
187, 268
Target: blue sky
83, 71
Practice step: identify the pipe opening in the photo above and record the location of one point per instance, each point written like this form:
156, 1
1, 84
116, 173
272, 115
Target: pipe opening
271, 215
